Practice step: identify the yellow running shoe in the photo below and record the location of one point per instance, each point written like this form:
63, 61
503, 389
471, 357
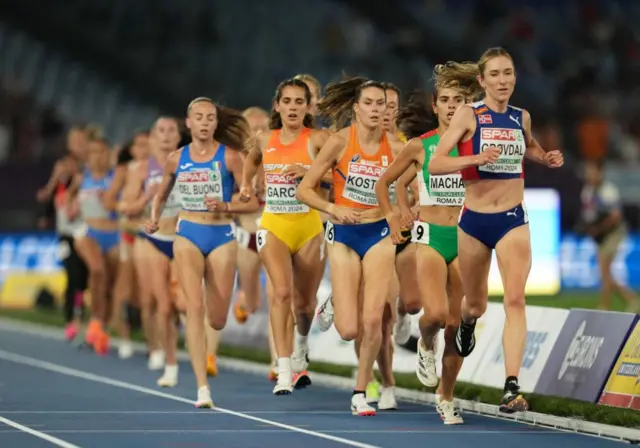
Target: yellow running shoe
373, 392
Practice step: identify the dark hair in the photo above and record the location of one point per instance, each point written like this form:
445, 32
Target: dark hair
232, 130
275, 120
124, 155
416, 116
338, 101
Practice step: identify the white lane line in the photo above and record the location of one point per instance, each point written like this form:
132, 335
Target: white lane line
44, 365
57, 442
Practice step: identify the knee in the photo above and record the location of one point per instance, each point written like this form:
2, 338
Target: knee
372, 324
436, 314
282, 295
98, 270
475, 307
217, 322
413, 305
195, 308
347, 329
514, 302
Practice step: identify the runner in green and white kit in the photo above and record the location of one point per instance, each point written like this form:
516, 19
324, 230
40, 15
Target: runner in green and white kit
434, 233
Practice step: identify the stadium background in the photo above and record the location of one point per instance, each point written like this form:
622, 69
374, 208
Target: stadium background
120, 64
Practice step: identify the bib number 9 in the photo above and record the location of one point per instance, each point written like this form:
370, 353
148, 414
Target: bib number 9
261, 239
329, 234
420, 232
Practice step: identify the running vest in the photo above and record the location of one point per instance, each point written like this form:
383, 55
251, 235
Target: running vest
356, 174
155, 172
447, 189
503, 130
280, 195
90, 196
197, 180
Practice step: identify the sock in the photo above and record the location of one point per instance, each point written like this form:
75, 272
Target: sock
356, 392
299, 341
284, 365
171, 370
511, 384
469, 322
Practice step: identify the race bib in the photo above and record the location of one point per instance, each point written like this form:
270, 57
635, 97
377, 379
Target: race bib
281, 195
195, 186
361, 183
329, 233
243, 237
420, 232
446, 190
512, 149
261, 239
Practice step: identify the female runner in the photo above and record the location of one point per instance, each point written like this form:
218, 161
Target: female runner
165, 136
205, 248
290, 235
492, 139
435, 233
97, 244
361, 256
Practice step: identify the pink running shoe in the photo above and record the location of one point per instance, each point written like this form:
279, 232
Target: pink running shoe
70, 332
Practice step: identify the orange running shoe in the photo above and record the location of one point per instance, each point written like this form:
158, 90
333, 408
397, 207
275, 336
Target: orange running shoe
240, 313
273, 374
93, 331
212, 365
101, 344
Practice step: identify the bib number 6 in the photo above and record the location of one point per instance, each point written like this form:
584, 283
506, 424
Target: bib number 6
329, 234
420, 232
261, 239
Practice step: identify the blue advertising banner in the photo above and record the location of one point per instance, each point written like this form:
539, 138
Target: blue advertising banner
584, 353
28, 253
579, 264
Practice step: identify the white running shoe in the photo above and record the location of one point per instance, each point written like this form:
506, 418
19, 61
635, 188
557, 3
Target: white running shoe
170, 376
300, 358
156, 360
125, 350
448, 413
388, 400
325, 314
360, 407
204, 398
426, 366
284, 384
402, 329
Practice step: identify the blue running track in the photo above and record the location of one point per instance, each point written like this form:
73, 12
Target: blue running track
49, 389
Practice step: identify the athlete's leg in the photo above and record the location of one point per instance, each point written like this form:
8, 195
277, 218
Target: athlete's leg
377, 270
513, 252
406, 268
250, 293
451, 361
190, 268
141, 250
90, 252
122, 295
474, 259
346, 272
165, 324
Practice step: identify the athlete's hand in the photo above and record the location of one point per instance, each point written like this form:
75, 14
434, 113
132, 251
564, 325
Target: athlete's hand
151, 226
489, 155
213, 205
344, 215
554, 159
407, 216
296, 171
246, 193
395, 228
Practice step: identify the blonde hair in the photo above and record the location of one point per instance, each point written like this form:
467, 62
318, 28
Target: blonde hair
461, 76
232, 130
491, 53
307, 78
254, 110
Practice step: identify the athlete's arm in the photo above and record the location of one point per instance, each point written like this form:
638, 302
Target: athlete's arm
441, 162
110, 198
167, 184
253, 150
324, 161
56, 174
405, 159
534, 151
404, 184
136, 206
235, 164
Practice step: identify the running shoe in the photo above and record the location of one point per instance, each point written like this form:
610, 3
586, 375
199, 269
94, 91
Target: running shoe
325, 314
388, 400
402, 329
71, 331
169, 377
426, 366
372, 392
204, 398
125, 350
284, 383
512, 400
448, 413
241, 314
212, 365
301, 380
101, 343
465, 339
156, 360
360, 407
